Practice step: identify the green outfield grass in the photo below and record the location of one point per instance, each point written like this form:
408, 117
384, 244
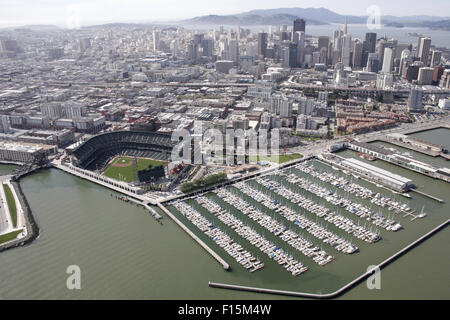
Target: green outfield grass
11, 204
9, 236
126, 173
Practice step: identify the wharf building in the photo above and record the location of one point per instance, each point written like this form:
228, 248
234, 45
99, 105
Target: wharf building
18, 152
395, 158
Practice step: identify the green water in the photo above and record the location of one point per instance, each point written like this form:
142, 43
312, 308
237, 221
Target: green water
124, 253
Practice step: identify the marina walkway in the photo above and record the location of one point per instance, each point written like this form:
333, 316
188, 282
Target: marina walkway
342, 289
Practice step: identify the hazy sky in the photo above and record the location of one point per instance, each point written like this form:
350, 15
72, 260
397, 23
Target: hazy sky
62, 12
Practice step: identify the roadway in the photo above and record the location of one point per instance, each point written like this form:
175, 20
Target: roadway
318, 147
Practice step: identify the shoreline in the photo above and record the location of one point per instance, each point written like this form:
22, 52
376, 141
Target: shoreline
31, 225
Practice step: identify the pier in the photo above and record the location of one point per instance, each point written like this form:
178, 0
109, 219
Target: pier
342, 289
224, 264
428, 195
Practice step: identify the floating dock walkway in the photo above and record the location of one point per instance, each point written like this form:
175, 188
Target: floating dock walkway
225, 265
339, 291
428, 195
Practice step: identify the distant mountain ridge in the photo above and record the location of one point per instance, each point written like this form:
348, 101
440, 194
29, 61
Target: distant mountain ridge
314, 16
249, 19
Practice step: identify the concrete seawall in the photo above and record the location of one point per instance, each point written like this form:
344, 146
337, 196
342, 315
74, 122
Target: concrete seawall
224, 264
31, 225
342, 289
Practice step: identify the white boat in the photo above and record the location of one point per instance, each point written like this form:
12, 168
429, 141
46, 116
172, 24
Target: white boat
422, 213
407, 195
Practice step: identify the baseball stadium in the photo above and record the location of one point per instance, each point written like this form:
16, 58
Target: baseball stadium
125, 155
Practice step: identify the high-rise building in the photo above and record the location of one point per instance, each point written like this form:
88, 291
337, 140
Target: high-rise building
415, 99
322, 46
4, 124
233, 50
262, 43
357, 54
436, 58
372, 62
371, 39
299, 25
346, 50
388, 60
207, 46
155, 40
423, 50
425, 76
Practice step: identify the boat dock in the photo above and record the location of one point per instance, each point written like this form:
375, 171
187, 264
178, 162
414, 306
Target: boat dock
427, 195
225, 265
342, 289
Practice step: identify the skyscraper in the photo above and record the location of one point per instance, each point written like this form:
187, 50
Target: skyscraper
371, 39
436, 58
387, 60
423, 50
323, 48
299, 25
155, 40
346, 49
262, 43
415, 99
357, 54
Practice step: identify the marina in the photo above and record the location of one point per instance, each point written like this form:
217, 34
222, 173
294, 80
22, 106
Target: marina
157, 267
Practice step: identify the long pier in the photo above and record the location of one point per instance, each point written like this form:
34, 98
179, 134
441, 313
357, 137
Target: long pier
225, 265
428, 195
342, 289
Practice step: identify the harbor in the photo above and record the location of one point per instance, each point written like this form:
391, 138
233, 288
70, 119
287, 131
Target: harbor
187, 267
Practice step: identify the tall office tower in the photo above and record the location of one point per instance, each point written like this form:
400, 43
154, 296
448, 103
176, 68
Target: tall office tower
425, 76
337, 40
262, 43
301, 48
52, 110
323, 49
346, 50
4, 124
365, 53
207, 46
372, 62
415, 99
423, 50
233, 50
405, 60
285, 36
299, 25
198, 38
285, 56
293, 61
192, 49
436, 58
381, 46
357, 54
174, 47
295, 36
371, 39
388, 60
400, 48
155, 40
84, 44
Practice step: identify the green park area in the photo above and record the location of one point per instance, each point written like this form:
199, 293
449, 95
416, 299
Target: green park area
122, 169
9, 236
11, 204
203, 183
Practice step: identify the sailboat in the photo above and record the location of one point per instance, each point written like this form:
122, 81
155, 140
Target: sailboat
422, 213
